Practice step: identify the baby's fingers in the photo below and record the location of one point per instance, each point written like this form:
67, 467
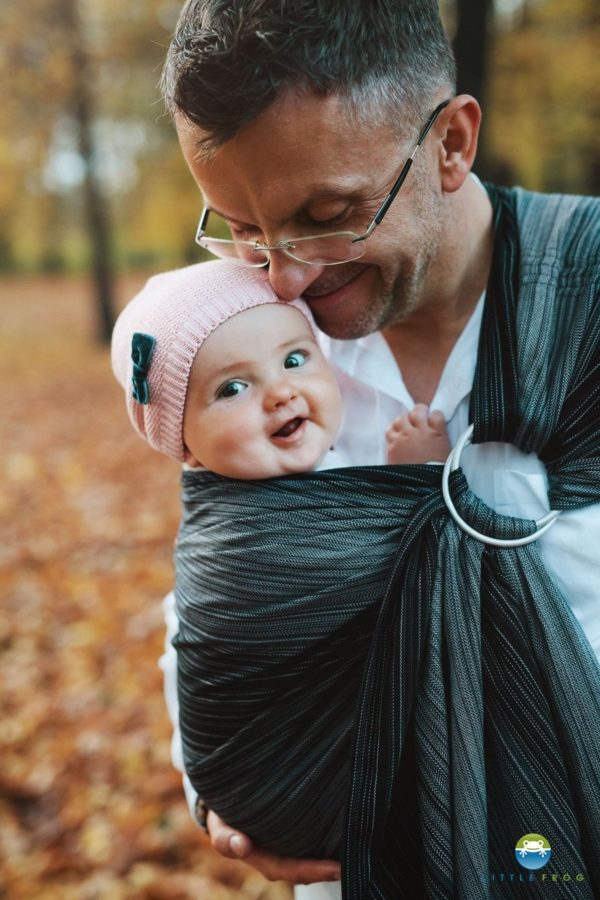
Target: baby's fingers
436, 420
418, 415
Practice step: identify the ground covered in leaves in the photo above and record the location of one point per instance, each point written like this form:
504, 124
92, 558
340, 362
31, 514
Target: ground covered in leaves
89, 804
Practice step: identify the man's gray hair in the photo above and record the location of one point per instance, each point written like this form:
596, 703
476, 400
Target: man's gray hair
228, 61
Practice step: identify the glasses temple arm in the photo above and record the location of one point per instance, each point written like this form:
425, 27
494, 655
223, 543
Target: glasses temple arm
405, 170
430, 121
200, 230
390, 197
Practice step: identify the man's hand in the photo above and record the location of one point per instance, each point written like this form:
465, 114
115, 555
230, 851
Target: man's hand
235, 845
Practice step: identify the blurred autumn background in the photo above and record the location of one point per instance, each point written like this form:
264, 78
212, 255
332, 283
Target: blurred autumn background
93, 197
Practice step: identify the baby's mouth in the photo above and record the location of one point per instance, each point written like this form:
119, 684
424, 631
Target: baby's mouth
290, 427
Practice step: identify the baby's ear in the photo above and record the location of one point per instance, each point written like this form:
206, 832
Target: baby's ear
191, 460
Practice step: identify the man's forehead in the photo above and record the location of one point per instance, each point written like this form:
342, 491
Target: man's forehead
281, 163
296, 133
299, 112
222, 200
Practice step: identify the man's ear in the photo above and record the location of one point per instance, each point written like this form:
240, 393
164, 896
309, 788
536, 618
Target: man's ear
191, 460
461, 121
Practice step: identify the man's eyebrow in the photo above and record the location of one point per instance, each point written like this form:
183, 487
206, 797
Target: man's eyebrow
223, 215
319, 193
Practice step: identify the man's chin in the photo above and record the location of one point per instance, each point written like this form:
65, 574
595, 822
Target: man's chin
350, 325
364, 305
335, 282
344, 332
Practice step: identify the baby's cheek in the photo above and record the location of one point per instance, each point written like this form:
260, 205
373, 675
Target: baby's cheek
242, 438
334, 407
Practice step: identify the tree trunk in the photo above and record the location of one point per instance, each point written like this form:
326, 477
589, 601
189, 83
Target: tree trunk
95, 204
471, 48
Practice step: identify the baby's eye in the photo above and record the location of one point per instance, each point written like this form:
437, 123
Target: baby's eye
295, 360
231, 389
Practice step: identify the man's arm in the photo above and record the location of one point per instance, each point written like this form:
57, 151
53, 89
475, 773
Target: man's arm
168, 664
227, 841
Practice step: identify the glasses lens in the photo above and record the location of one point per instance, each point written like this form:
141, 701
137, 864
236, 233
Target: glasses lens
317, 250
217, 240
236, 251
327, 249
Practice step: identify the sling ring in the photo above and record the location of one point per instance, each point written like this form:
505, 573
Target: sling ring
451, 465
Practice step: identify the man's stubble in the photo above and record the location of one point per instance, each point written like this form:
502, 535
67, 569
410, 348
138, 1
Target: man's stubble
403, 293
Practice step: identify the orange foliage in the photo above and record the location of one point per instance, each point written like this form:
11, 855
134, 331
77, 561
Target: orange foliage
89, 804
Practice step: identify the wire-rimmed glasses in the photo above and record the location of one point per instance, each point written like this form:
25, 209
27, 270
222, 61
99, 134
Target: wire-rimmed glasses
329, 249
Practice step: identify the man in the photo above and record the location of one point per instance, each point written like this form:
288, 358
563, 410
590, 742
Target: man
296, 119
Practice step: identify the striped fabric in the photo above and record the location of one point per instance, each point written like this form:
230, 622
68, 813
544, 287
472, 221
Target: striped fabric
360, 678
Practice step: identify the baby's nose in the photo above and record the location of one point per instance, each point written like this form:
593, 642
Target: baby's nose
279, 393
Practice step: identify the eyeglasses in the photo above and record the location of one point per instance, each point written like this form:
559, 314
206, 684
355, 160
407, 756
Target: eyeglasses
330, 249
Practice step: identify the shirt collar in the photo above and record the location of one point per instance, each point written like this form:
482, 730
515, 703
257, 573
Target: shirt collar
370, 361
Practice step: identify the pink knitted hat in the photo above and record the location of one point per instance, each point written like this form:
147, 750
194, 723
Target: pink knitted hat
158, 334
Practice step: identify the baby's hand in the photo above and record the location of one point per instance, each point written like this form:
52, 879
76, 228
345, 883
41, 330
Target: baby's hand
419, 436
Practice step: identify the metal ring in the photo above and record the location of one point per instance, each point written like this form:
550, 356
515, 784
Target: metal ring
451, 465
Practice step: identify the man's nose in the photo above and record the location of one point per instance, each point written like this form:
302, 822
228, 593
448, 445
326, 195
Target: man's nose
290, 278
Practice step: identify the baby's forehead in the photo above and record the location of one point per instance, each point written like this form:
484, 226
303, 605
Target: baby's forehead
252, 335
270, 323
279, 315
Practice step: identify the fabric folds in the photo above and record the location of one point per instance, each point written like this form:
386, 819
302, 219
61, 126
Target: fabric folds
359, 678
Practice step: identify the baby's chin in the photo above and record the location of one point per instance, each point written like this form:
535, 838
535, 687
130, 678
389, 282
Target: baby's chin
308, 463
296, 462
272, 461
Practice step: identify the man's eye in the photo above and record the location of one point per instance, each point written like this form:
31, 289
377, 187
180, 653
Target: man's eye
328, 224
295, 360
328, 214
231, 389
243, 233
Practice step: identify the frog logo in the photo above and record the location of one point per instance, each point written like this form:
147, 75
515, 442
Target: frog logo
533, 851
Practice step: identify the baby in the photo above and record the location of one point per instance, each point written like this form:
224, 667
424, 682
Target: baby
219, 373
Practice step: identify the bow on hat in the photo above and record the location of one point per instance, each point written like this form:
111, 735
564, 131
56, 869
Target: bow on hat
142, 348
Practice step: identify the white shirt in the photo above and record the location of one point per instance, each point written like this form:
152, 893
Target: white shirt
506, 479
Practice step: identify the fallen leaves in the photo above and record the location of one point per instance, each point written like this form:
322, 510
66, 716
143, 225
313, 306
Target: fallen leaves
90, 806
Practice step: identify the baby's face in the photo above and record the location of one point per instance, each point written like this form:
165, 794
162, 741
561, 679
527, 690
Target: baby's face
262, 400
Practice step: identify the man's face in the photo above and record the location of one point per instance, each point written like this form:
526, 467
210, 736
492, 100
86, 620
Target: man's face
262, 399
303, 167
